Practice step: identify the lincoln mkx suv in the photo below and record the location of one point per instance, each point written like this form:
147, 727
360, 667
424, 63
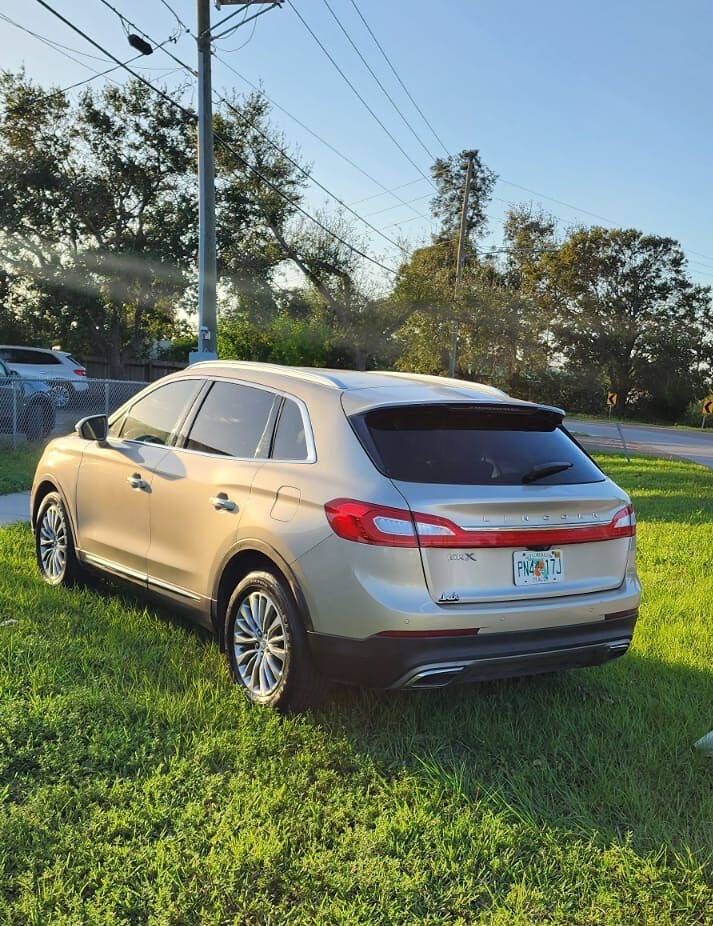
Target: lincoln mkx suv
383, 529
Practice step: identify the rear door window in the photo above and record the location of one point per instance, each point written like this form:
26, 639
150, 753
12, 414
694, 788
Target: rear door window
234, 420
463, 444
22, 355
290, 440
154, 418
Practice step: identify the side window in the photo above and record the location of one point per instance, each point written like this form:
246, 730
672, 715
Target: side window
233, 421
290, 442
153, 418
115, 425
26, 355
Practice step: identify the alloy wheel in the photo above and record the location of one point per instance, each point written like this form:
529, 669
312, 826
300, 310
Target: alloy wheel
260, 644
53, 543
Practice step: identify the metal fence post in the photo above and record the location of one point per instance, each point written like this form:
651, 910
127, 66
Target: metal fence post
14, 414
106, 398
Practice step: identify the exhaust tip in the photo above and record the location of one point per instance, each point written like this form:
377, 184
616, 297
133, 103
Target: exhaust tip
434, 678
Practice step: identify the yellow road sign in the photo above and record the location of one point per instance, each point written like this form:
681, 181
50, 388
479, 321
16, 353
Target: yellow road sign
612, 398
708, 405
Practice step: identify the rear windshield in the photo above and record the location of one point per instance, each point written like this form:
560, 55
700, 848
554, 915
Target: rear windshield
469, 445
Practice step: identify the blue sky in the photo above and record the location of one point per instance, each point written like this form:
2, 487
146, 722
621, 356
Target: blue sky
602, 106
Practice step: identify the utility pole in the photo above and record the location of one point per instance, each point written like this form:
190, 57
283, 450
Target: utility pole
460, 260
207, 269
207, 264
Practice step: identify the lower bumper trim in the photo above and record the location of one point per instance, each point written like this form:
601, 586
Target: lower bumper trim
387, 662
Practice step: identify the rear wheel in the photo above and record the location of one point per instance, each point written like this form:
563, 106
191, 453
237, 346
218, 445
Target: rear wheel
54, 547
34, 422
266, 645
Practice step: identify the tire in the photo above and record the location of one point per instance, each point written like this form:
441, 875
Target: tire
34, 421
266, 645
54, 546
49, 419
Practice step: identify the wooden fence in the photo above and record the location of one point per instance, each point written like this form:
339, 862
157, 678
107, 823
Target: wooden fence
142, 371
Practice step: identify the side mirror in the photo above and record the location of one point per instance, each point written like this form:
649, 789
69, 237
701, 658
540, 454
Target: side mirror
94, 427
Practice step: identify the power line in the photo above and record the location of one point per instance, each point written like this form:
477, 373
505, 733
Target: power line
191, 115
64, 51
401, 186
171, 10
398, 77
79, 83
416, 199
57, 46
358, 95
378, 81
277, 147
247, 41
307, 174
314, 134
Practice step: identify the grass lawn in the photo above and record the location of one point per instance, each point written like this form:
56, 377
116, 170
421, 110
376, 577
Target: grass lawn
17, 467
137, 786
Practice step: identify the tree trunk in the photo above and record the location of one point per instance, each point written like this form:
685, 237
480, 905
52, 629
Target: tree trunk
116, 366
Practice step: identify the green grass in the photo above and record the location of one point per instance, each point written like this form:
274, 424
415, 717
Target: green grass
17, 467
137, 786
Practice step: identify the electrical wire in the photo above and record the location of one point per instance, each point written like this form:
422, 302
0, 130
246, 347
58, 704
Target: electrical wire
401, 186
398, 77
182, 26
378, 81
282, 151
320, 138
307, 174
64, 51
358, 95
219, 139
247, 41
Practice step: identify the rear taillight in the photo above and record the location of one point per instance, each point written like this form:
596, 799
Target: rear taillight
80, 371
624, 522
364, 522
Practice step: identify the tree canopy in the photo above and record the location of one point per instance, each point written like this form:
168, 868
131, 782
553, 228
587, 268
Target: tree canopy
98, 242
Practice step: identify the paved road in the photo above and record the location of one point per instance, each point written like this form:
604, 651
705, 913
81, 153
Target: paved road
14, 507
665, 442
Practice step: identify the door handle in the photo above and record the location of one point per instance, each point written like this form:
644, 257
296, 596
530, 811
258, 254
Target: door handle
222, 502
136, 482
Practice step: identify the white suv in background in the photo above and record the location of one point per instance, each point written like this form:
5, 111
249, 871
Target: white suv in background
64, 375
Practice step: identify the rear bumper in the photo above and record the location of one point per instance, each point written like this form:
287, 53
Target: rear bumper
432, 662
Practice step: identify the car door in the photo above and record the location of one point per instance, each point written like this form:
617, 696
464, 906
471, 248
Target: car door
201, 488
114, 482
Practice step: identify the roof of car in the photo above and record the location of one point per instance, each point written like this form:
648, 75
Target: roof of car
351, 380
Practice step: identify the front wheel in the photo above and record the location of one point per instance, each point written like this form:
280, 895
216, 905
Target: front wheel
266, 645
54, 546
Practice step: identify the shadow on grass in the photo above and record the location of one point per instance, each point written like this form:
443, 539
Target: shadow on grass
604, 752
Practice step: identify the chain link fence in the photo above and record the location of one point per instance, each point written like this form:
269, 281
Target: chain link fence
37, 409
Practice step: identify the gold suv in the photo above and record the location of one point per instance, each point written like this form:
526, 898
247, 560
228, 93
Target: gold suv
382, 529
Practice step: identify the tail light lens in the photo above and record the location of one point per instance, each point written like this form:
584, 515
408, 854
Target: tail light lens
80, 371
624, 522
364, 522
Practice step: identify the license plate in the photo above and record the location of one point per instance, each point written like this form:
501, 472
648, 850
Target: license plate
533, 568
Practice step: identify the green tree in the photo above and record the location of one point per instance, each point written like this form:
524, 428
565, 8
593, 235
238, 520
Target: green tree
449, 177
621, 301
98, 210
